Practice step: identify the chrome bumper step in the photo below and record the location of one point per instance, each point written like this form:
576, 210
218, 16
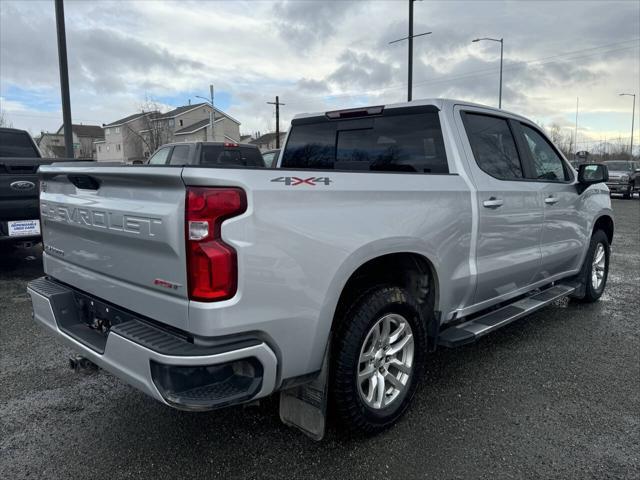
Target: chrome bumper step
470, 331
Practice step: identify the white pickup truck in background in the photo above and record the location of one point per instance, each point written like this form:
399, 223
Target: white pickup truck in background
384, 232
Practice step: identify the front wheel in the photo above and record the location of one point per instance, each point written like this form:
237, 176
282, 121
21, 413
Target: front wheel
378, 355
596, 267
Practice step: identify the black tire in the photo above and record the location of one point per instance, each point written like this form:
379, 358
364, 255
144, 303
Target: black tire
591, 293
348, 341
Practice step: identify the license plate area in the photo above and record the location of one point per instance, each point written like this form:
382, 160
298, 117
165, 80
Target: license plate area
23, 228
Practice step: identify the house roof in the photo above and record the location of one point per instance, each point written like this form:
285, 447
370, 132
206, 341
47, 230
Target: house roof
179, 111
187, 108
94, 131
244, 137
266, 138
127, 119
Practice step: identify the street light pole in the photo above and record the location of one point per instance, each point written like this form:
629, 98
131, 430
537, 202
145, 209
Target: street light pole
501, 58
633, 117
410, 38
211, 114
64, 79
501, 40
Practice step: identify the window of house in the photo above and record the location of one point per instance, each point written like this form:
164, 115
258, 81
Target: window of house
172, 122
117, 129
118, 147
107, 131
99, 148
181, 122
108, 148
493, 146
547, 165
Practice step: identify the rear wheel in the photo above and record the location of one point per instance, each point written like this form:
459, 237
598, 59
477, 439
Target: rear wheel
377, 359
595, 270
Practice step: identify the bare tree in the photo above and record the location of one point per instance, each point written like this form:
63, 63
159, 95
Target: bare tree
4, 121
562, 140
154, 131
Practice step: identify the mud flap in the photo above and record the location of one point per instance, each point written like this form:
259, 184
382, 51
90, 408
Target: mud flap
305, 406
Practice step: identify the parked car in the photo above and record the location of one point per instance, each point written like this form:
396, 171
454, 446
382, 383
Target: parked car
207, 154
19, 212
378, 239
271, 157
624, 177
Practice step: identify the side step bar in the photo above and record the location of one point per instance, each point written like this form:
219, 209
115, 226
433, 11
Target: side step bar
469, 332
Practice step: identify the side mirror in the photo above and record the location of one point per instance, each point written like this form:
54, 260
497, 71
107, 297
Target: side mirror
592, 173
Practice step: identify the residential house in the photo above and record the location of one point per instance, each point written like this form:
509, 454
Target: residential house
136, 137
192, 123
84, 138
268, 141
123, 141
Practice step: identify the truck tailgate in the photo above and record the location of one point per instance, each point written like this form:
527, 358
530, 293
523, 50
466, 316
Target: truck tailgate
117, 233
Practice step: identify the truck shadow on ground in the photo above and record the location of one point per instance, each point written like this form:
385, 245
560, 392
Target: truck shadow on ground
145, 433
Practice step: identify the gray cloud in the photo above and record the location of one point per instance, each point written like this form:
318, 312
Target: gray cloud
303, 24
361, 71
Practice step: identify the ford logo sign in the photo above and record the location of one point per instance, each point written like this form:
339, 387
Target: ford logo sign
22, 185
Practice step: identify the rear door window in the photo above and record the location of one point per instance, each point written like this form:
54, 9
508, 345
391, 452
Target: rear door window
409, 142
493, 146
180, 155
160, 157
547, 164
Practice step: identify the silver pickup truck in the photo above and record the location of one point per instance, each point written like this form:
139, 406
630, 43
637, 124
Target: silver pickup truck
384, 232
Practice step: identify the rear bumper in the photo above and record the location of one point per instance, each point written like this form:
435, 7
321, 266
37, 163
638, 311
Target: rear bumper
166, 367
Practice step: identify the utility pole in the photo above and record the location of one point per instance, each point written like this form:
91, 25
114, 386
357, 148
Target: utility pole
633, 117
410, 38
64, 79
277, 104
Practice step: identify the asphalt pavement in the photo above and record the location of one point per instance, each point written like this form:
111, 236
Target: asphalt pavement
554, 395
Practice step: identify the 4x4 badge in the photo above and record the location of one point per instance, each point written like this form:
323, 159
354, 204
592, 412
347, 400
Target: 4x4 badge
293, 181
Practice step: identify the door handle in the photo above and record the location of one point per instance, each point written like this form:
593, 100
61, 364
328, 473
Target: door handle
493, 202
551, 200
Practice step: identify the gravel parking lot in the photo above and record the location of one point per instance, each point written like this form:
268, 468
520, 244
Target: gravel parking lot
555, 395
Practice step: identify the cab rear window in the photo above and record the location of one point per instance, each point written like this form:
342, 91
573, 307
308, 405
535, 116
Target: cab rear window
407, 142
17, 144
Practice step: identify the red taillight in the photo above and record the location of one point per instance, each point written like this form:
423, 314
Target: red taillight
229, 144
212, 266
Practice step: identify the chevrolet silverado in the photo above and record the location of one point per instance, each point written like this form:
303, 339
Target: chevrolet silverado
385, 232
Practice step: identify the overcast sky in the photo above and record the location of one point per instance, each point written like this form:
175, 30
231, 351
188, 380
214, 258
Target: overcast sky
319, 56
